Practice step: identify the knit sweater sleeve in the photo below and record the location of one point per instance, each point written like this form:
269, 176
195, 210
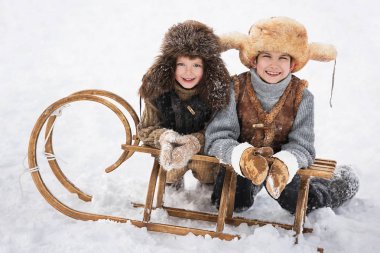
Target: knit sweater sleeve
149, 129
223, 131
301, 137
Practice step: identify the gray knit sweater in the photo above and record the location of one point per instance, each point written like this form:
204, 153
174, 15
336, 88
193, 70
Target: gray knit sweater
223, 131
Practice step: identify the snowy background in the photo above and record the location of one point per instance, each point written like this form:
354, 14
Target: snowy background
50, 49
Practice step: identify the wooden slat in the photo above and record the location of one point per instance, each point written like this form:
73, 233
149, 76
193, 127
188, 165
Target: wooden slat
156, 152
161, 187
321, 167
301, 205
177, 230
211, 217
151, 190
231, 198
222, 214
315, 173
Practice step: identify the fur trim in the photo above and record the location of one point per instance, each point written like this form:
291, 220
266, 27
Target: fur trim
279, 34
322, 52
193, 39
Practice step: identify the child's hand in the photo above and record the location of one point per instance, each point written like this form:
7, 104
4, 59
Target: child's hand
277, 178
188, 146
177, 150
167, 140
253, 166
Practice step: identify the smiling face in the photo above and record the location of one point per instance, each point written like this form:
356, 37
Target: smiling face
189, 71
273, 67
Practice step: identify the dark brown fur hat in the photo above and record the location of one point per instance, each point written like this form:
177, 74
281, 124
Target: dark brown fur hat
192, 39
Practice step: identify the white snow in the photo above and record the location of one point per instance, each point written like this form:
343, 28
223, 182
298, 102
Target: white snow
50, 49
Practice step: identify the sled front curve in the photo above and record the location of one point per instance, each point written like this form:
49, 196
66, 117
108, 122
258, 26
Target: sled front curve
126, 154
49, 117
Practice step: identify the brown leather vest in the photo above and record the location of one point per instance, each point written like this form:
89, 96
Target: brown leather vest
261, 128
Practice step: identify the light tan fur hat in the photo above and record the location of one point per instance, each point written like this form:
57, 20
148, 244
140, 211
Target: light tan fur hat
278, 34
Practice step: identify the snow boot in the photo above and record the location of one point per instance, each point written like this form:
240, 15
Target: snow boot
322, 193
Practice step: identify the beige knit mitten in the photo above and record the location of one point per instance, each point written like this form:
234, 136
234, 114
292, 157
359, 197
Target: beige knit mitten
167, 140
177, 150
188, 146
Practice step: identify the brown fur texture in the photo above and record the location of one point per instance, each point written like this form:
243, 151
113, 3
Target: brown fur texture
192, 39
277, 179
278, 34
254, 166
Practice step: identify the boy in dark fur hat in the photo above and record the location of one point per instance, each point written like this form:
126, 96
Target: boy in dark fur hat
187, 83
271, 107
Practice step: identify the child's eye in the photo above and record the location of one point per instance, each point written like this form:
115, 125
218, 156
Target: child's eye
197, 65
180, 64
285, 57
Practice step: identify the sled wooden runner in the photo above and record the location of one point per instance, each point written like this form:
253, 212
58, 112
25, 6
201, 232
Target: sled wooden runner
322, 168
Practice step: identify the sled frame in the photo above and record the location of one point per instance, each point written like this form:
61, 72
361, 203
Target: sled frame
322, 168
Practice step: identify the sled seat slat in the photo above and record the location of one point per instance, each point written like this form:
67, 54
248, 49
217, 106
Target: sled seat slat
156, 152
320, 168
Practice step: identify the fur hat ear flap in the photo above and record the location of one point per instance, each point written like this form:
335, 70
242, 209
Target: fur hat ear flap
158, 79
233, 40
322, 52
238, 41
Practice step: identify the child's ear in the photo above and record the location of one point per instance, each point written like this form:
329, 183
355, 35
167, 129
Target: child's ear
253, 62
292, 66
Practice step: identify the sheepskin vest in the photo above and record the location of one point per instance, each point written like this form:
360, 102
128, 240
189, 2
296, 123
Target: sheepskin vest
184, 117
261, 128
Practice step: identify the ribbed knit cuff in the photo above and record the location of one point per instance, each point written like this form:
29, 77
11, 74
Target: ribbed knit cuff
236, 155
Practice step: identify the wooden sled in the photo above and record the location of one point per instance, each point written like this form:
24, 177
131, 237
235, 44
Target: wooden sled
322, 168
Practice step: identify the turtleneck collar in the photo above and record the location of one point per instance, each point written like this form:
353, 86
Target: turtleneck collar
185, 94
264, 89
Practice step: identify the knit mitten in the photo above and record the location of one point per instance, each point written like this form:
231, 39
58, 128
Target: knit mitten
277, 178
167, 140
253, 166
188, 146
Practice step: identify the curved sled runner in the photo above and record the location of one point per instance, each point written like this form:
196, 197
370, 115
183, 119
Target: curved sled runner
321, 168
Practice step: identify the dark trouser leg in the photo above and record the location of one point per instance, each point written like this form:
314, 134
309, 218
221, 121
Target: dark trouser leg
322, 193
244, 195
318, 195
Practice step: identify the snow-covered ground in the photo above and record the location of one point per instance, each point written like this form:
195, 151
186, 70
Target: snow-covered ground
50, 49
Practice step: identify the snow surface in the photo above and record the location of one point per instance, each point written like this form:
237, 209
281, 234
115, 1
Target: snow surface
50, 49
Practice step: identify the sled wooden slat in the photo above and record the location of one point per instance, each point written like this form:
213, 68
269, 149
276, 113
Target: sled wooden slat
177, 230
210, 217
156, 152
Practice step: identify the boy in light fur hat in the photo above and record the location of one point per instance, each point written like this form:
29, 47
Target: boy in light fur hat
271, 107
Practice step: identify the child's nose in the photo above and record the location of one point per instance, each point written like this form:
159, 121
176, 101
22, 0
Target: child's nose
189, 70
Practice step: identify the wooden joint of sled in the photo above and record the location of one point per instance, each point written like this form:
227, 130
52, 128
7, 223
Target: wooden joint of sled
322, 168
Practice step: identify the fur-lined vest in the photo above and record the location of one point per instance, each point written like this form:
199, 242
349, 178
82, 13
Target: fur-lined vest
184, 117
261, 128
